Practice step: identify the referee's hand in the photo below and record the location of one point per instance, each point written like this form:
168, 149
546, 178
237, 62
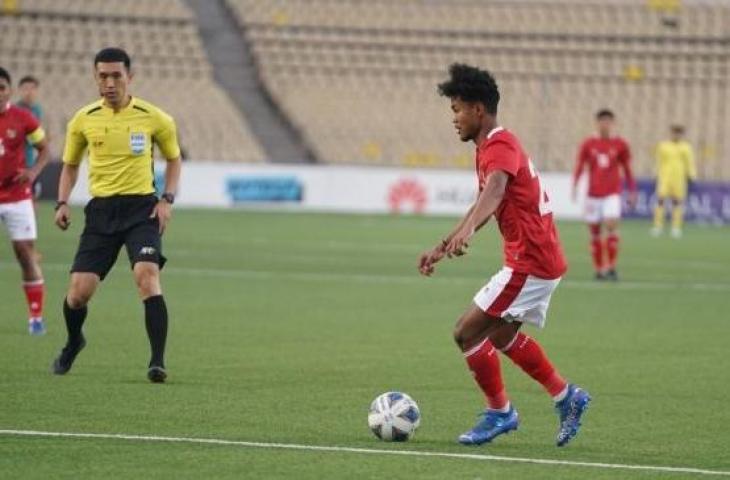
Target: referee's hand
63, 217
163, 212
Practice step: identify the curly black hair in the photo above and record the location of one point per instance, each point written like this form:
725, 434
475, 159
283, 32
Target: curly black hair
4, 74
470, 84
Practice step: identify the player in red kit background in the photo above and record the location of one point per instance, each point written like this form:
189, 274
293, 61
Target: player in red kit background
16, 184
510, 190
605, 156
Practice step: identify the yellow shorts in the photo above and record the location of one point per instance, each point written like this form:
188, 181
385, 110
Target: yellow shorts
676, 189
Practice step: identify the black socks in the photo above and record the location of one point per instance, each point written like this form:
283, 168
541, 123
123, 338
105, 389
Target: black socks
155, 316
74, 321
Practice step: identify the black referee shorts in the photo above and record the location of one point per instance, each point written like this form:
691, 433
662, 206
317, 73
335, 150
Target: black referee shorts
113, 222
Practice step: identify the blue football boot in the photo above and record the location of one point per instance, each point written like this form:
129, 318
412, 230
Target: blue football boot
570, 410
492, 425
36, 326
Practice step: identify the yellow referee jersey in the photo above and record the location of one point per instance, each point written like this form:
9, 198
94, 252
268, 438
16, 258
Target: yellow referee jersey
675, 165
120, 145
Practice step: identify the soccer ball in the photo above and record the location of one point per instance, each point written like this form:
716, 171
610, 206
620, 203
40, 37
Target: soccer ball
394, 417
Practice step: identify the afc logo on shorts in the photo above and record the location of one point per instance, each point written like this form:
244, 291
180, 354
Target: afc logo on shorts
137, 143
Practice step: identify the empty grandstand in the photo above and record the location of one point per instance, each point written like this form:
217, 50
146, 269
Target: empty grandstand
357, 76
56, 40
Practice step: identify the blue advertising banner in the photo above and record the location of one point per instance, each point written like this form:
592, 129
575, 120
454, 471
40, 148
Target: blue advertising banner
707, 202
264, 189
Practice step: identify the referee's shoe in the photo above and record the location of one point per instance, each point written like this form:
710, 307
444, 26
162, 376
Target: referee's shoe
63, 363
156, 374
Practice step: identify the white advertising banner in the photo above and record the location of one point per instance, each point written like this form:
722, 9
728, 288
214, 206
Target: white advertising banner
337, 188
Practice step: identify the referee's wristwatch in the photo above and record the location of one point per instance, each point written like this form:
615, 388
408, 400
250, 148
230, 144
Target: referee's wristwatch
169, 197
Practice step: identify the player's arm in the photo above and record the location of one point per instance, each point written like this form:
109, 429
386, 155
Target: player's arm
578, 170
489, 200
29, 175
73, 153
165, 137
625, 159
691, 167
430, 257
37, 137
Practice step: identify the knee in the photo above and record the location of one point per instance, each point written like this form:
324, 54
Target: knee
461, 333
24, 254
148, 282
78, 297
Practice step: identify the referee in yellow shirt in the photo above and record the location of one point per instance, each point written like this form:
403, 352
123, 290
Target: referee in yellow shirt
118, 130
675, 169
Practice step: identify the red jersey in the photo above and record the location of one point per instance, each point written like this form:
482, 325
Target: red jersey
15, 125
531, 243
604, 157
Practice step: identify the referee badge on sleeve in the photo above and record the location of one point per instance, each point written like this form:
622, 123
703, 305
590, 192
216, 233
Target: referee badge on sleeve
137, 143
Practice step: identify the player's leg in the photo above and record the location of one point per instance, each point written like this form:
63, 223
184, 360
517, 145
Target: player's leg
477, 329
472, 335
530, 305
679, 193
19, 218
593, 215
677, 217
659, 216
144, 248
612, 216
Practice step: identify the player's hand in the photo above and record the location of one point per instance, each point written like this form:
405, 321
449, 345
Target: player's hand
63, 217
459, 243
632, 199
428, 259
163, 212
25, 176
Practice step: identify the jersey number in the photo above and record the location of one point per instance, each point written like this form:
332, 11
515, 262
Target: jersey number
544, 203
603, 160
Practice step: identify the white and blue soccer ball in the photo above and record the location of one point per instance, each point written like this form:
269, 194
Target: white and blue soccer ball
394, 417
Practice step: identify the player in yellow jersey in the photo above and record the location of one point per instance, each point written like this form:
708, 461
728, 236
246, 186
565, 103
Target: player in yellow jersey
675, 169
118, 130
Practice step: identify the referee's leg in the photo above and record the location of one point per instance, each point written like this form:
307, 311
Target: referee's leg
80, 290
147, 277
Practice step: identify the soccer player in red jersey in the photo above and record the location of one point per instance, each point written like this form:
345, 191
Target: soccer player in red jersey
16, 193
604, 156
510, 190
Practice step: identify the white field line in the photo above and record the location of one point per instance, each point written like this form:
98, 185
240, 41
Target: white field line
404, 279
372, 451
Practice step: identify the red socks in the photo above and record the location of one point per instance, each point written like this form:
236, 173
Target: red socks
596, 246
530, 357
483, 361
612, 249
34, 291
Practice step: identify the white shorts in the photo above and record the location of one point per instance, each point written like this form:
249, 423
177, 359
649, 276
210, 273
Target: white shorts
517, 297
599, 209
19, 219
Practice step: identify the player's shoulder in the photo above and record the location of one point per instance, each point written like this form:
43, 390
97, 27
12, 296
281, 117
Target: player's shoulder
588, 141
22, 115
502, 136
150, 108
620, 141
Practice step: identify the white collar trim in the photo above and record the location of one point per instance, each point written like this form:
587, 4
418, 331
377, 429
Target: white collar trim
494, 131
